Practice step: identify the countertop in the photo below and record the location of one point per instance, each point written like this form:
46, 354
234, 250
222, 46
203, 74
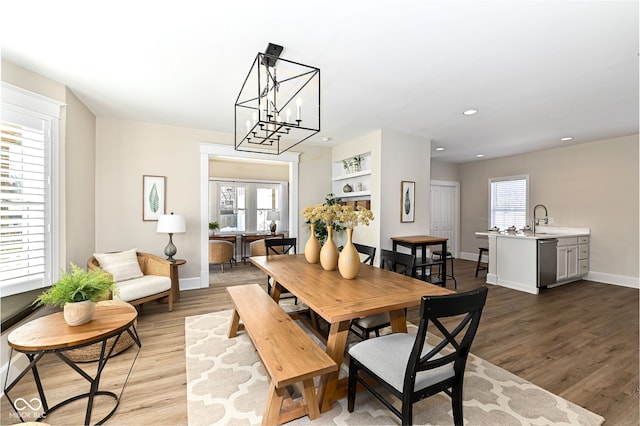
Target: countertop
542, 232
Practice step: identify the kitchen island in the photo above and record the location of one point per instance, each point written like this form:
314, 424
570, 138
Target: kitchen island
516, 260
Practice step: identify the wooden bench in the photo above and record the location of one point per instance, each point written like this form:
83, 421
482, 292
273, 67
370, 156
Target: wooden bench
288, 354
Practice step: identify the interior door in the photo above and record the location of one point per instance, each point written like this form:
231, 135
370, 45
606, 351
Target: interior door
445, 213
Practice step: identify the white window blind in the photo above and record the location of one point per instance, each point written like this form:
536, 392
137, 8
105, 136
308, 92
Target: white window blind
26, 234
508, 201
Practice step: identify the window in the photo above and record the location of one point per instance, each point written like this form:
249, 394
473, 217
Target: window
29, 127
508, 201
243, 206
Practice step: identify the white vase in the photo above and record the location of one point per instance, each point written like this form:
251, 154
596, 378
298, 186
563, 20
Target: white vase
349, 260
78, 313
329, 252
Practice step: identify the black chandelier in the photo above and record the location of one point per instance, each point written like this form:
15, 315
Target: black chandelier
278, 106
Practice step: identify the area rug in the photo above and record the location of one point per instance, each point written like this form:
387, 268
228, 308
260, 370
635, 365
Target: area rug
226, 385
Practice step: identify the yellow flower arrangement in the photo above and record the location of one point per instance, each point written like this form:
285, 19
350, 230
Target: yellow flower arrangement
351, 218
330, 214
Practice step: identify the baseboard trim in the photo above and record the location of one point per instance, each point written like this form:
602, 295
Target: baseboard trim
190, 283
620, 280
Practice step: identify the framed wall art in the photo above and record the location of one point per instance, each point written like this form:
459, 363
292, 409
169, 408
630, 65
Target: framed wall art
153, 197
407, 201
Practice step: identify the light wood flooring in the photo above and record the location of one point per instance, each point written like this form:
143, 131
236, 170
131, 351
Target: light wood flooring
579, 341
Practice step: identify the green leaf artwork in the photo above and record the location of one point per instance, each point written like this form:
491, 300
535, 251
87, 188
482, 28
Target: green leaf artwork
154, 200
407, 202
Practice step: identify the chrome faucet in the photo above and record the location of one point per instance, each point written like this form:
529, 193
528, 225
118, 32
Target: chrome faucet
536, 220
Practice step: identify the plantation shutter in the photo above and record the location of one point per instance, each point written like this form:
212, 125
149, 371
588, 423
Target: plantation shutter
26, 237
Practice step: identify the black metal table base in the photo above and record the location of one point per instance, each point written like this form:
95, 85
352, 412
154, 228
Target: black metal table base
105, 355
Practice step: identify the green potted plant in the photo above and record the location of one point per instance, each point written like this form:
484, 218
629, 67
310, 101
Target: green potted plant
357, 163
347, 165
77, 293
213, 226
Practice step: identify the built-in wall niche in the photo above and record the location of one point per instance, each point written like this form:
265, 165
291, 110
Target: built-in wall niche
351, 177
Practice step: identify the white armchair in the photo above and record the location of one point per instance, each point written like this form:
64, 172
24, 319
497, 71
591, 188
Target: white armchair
141, 277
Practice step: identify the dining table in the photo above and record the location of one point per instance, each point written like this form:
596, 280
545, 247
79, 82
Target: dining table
339, 301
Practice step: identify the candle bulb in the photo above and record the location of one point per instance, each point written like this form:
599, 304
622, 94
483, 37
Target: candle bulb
288, 115
248, 126
299, 103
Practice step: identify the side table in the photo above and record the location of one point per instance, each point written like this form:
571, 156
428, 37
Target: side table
51, 335
175, 279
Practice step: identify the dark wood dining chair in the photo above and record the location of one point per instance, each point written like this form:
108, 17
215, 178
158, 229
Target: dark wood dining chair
277, 247
368, 251
401, 263
409, 368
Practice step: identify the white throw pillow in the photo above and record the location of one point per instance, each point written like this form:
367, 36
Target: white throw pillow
123, 265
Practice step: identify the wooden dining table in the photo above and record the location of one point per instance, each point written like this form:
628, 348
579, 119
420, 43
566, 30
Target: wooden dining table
339, 301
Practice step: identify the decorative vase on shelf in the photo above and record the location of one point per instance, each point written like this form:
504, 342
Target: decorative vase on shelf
312, 247
349, 260
329, 252
78, 313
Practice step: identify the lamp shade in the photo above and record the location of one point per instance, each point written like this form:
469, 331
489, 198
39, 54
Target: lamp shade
273, 215
171, 224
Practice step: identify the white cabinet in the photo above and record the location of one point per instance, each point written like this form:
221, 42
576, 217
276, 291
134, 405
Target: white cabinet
583, 256
573, 258
354, 175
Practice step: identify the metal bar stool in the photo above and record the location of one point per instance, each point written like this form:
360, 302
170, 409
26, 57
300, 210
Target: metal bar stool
448, 255
480, 267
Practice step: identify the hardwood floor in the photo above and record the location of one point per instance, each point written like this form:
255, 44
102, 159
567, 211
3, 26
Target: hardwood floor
579, 341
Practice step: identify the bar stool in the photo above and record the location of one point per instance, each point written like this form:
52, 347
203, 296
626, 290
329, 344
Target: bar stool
448, 255
480, 267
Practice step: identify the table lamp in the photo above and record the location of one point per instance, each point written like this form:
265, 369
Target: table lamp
273, 215
171, 224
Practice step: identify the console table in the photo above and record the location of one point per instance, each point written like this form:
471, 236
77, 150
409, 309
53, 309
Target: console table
249, 238
51, 335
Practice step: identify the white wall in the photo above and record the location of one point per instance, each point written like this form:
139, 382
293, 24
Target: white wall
404, 157
441, 170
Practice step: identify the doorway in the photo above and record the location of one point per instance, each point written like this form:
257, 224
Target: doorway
210, 150
445, 213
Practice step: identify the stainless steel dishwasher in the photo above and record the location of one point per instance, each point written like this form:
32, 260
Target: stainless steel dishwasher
547, 261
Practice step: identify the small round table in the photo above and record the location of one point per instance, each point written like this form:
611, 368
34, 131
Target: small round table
51, 335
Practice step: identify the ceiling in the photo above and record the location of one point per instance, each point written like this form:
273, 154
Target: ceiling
536, 71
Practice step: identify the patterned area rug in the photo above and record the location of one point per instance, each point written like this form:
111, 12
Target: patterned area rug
226, 384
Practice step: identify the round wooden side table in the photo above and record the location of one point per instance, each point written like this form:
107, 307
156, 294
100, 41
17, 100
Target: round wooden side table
51, 335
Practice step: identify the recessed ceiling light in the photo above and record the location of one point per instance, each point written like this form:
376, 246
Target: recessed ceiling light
470, 112
326, 139
566, 138
439, 148
479, 155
